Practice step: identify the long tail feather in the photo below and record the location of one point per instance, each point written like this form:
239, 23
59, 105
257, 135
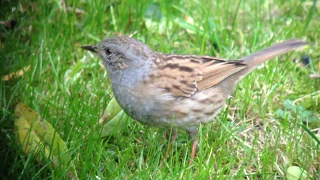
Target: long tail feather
275, 50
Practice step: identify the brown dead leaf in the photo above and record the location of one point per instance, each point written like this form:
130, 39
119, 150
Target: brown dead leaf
18, 73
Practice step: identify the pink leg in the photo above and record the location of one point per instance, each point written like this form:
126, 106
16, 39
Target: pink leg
194, 137
173, 137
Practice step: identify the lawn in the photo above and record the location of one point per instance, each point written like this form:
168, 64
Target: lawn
271, 121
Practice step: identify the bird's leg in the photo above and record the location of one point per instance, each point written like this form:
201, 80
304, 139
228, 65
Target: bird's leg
173, 133
193, 134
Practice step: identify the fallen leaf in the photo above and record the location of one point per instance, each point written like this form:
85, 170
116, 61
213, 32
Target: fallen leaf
314, 75
111, 111
296, 173
114, 120
15, 74
39, 137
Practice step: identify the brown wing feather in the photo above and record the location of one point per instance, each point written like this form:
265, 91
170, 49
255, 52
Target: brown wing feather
183, 75
177, 75
217, 70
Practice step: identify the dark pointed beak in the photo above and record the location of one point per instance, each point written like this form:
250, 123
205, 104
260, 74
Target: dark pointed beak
90, 48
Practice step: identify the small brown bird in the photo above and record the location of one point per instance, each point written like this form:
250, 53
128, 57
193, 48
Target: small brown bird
178, 91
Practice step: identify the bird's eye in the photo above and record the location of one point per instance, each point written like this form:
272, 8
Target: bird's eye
108, 52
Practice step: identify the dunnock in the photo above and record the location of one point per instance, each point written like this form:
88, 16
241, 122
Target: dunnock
178, 91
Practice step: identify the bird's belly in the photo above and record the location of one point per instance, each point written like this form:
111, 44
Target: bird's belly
177, 119
181, 112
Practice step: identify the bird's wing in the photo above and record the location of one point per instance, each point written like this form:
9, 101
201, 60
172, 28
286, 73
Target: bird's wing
183, 75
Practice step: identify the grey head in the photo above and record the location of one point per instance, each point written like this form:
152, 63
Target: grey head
128, 63
126, 60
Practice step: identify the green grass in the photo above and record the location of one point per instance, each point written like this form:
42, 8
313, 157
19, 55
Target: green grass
256, 137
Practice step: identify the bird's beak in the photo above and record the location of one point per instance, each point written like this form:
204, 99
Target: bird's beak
90, 48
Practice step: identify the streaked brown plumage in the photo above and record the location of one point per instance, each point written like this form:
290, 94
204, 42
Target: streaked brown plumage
179, 91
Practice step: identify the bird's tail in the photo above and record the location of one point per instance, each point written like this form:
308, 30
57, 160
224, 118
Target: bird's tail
261, 56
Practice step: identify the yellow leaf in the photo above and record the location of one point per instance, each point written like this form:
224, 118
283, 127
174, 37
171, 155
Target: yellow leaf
39, 136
